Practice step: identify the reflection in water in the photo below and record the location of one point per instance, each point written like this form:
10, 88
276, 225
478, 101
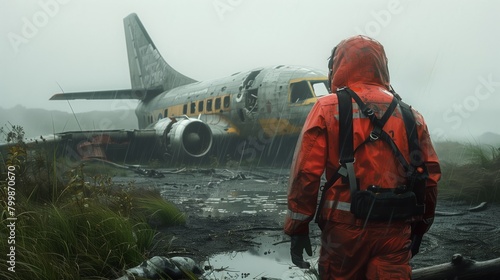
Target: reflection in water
246, 202
230, 198
269, 260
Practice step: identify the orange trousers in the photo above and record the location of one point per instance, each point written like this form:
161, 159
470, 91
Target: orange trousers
377, 251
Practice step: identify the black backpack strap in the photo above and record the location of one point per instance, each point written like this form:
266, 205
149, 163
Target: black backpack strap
346, 146
411, 133
346, 142
323, 190
417, 172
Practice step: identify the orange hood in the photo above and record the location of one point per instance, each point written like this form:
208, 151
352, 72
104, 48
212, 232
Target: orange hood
359, 59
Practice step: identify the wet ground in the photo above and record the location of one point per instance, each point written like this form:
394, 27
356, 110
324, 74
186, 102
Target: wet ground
235, 218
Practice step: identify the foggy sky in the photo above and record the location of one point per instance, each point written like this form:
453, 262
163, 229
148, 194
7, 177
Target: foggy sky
443, 55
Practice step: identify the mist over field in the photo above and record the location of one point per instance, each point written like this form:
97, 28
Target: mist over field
37, 122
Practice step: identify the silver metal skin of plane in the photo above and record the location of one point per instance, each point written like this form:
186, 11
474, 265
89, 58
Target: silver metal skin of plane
257, 111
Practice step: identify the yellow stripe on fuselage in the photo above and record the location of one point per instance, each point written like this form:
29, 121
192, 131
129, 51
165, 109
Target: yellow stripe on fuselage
275, 127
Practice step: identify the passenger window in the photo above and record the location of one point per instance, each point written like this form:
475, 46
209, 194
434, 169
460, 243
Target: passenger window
200, 106
226, 101
217, 103
209, 105
193, 108
185, 109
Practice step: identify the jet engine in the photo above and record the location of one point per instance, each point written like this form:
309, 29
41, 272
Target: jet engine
184, 137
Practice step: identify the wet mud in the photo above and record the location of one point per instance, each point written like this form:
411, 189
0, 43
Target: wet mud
235, 218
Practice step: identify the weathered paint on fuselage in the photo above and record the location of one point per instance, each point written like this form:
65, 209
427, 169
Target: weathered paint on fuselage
245, 103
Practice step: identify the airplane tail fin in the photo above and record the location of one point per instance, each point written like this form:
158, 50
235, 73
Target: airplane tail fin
148, 70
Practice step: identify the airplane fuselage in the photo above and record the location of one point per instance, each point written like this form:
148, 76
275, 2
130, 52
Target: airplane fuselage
272, 101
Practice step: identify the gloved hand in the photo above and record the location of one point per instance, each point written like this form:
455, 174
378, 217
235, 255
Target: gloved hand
415, 244
299, 243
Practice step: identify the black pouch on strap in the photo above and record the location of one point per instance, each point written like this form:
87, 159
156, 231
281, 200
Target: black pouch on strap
385, 205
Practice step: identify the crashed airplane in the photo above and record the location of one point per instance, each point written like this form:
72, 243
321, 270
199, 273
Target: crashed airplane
260, 111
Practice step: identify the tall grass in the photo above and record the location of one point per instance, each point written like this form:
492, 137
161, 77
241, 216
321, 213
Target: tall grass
75, 243
474, 179
76, 226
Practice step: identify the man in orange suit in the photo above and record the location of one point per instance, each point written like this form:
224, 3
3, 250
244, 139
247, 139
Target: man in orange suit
381, 166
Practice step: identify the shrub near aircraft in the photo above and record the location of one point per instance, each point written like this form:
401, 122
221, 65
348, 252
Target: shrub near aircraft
261, 110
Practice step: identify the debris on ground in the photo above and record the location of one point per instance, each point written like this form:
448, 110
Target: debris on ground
173, 268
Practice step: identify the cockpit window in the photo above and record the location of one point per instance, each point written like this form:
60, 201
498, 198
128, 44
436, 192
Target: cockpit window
319, 88
300, 91
305, 89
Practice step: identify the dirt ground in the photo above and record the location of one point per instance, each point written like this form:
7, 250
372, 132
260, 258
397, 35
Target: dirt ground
227, 209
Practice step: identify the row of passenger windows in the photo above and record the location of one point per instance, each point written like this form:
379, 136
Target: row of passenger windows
211, 105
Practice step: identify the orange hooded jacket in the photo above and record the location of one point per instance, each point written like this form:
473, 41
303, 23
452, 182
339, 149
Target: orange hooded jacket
360, 64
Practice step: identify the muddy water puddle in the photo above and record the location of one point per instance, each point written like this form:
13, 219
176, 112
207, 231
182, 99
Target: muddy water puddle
238, 197
269, 260
270, 257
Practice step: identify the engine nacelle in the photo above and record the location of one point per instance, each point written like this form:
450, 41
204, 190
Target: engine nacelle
184, 137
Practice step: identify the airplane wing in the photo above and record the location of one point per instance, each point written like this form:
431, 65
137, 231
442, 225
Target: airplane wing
108, 94
180, 139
